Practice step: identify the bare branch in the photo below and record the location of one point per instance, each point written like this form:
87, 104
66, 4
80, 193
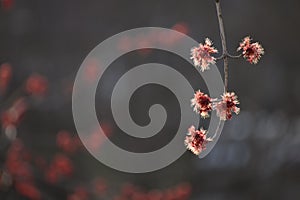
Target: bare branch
224, 47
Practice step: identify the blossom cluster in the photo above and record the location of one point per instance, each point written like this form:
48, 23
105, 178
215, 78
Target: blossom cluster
252, 52
202, 103
225, 106
202, 55
196, 140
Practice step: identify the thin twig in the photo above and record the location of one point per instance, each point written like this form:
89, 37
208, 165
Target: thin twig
220, 58
224, 56
229, 56
234, 57
224, 47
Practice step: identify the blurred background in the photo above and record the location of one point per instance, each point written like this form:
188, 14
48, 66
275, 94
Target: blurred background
42, 45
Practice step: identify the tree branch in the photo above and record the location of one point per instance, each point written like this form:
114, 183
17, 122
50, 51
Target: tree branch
224, 47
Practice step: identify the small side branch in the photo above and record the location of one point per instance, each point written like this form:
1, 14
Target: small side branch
229, 56
234, 57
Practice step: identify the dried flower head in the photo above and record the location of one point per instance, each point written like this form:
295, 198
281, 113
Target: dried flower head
196, 140
252, 52
202, 103
202, 55
227, 105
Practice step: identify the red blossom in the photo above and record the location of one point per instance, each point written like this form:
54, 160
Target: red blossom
63, 164
179, 192
181, 27
5, 76
7, 4
17, 161
183, 191
227, 106
202, 103
100, 187
60, 167
80, 193
95, 139
155, 195
128, 190
66, 142
91, 70
196, 140
201, 55
252, 52
28, 190
52, 175
37, 85
19, 167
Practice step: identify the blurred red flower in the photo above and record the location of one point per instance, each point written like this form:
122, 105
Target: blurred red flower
5, 76
37, 85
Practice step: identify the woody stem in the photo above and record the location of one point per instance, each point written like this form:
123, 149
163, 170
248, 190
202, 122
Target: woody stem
224, 47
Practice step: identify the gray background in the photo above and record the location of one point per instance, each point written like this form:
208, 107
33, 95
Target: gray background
257, 156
